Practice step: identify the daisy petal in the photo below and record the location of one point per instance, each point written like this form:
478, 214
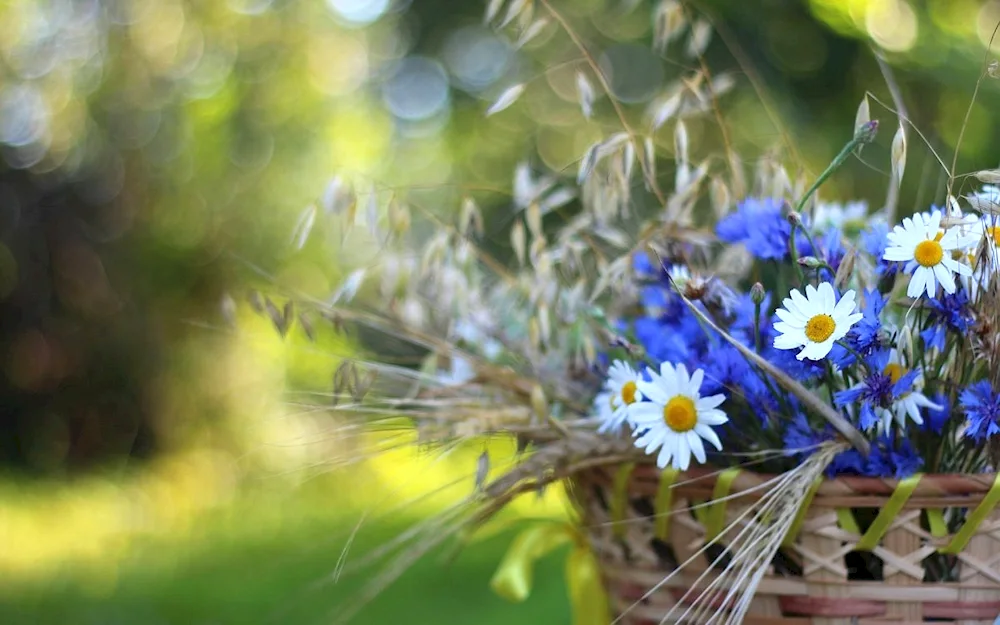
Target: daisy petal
683, 459
710, 402
944, 277
655, 392
897, 254
697, 449
663, 459
827, 298
707, 433
917, 283
645, 413
696, 379
712, 417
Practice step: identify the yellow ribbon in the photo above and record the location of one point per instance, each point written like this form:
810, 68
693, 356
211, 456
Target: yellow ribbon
513, 578
619, 498
664, 502
845, 518
713, 516
935, 522
977, 516
888, 513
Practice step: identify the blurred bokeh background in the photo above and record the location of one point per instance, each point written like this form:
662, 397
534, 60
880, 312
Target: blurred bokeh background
159, 461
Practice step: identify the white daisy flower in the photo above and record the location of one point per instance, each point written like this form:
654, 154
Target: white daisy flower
814, 321
676, 418
907, 405
620, 390
983, 256
920, 243
987, 235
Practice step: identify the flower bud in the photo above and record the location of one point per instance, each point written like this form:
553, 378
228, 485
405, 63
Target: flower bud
794, 218
811, 262
866, 132
757, 293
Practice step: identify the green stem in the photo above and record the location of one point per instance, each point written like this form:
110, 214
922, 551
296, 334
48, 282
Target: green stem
860, 138
756, 326
857, 356
794, 251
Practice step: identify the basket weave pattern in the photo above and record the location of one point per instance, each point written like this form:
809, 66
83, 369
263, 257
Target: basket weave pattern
813, 580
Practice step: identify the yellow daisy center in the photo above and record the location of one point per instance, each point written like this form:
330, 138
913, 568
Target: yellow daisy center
994, 232
679, 414
894, 372
820, 327
928, 253
628, 392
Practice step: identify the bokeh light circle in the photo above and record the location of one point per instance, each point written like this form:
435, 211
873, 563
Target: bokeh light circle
360, 12
634, 73
416, 89
476, 57
23, 115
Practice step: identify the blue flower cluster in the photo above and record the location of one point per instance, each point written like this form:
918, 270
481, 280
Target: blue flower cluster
890, 456
850, 350
950, 311
670, 331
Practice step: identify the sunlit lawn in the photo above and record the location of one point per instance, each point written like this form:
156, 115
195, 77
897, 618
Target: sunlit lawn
260, 558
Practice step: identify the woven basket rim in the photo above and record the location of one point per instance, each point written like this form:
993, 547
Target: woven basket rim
932, 485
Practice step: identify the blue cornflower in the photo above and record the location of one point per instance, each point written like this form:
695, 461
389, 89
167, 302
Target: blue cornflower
888, 458
875, 239
758, 395
849, 462
654, 300
801, 438
982, 408
950, 311
761, 226
885, 384
800, 370
644, 267
661, 340
832, 249
934, 337
726, 368
864, 337
727, 371
938, 415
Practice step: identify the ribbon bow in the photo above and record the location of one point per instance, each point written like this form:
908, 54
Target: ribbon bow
512, 580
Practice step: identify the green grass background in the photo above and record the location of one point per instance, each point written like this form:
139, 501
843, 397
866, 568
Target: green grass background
259, 559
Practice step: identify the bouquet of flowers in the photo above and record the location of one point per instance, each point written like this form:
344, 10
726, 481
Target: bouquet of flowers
763, 404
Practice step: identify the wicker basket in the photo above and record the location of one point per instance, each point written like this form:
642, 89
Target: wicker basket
819, 576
